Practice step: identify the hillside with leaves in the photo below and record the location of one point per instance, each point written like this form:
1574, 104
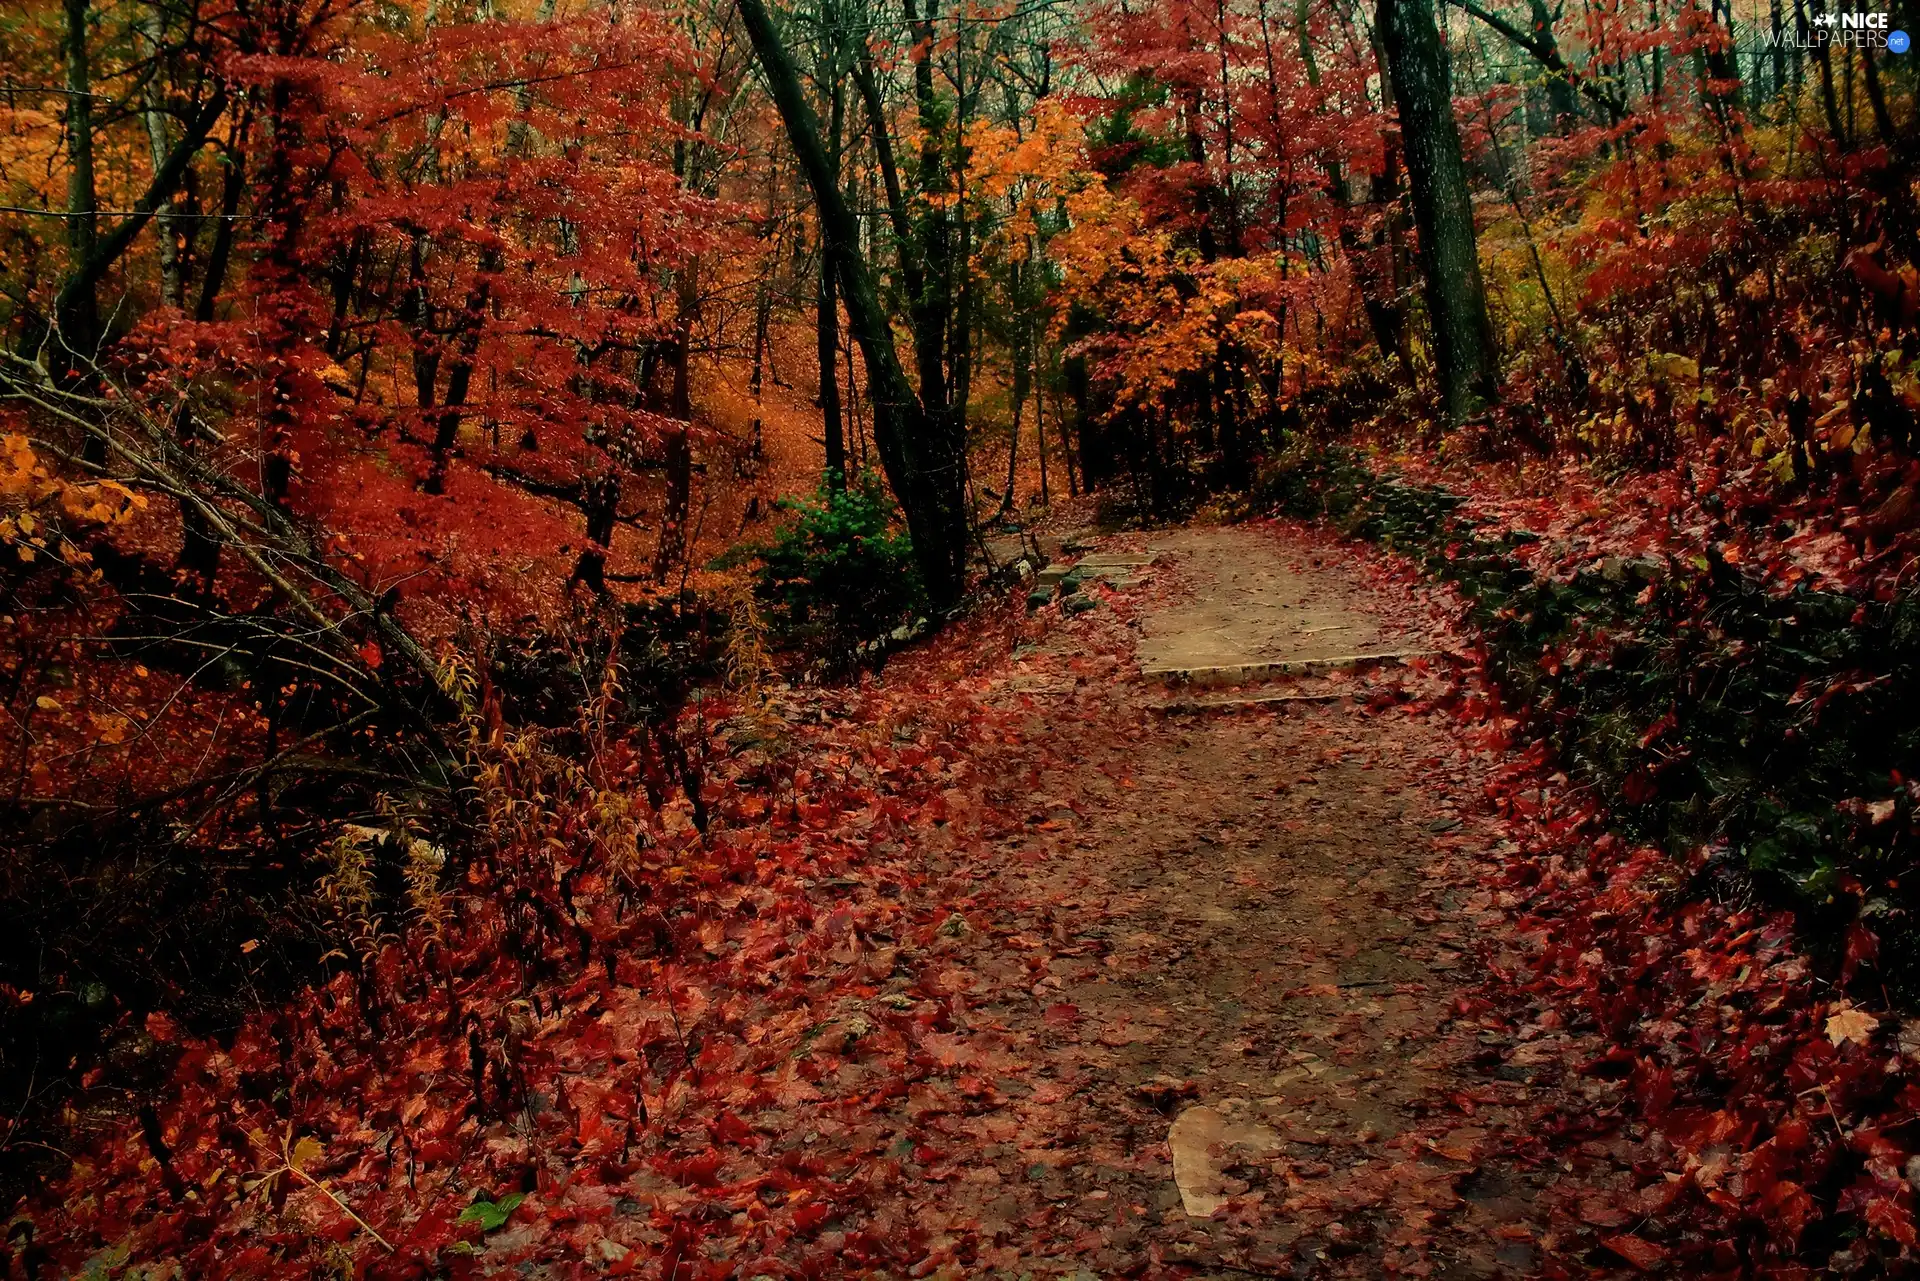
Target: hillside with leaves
522, 749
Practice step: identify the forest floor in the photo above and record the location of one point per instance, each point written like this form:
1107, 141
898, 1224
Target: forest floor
1168, 935
1234, 947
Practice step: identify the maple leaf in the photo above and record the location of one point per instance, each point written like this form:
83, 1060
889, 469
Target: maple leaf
1640, 1252
1849, 1024
1887, 1215
1596, 1211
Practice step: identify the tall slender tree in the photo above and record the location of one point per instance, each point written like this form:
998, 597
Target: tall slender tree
923, 452
1463, 345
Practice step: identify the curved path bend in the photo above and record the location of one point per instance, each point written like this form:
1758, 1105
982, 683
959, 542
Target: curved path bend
1250, 924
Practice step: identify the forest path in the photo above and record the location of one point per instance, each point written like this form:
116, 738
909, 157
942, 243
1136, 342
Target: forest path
1249, 608
1243, 937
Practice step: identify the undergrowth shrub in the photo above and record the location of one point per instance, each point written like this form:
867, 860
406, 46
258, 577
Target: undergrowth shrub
350, 861
1770, 729
840, 572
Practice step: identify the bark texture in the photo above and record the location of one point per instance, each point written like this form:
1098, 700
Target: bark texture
1463, 347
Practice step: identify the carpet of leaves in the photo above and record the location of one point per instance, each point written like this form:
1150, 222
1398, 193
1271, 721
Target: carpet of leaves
687, 1079
746, 1054
1773, 1120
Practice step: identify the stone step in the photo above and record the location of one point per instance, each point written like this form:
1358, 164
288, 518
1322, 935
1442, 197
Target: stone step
1214, 675
1121, 572
1115, 560
1199, 706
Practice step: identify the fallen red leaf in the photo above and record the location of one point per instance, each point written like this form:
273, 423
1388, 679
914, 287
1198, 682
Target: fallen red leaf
1638, 1251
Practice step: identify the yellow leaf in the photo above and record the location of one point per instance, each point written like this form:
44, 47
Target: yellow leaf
101, 504
1848, 1024
47, 703
305, 1153
21, 477
1668, 366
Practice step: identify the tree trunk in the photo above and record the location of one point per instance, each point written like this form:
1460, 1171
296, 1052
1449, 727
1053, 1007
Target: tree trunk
1723, 62
1544, 47
933, 305
924, 459
927, 354
1561, 98
1022, 383
1040, 436
1079, 380
1442, 208
75, 308
1877, 99
1778, 18
600, 503
233, 183
78, 319
671, 551
827, 306
827, 340
1828, 106
856, 430
446, 433
167, 232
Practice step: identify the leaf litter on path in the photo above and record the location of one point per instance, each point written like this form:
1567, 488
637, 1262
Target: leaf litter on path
1015, 976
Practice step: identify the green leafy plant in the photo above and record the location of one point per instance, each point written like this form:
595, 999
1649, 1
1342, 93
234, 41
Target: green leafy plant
492, 1215
840, 572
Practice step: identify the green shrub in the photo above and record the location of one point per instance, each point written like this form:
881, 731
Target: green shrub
840, 572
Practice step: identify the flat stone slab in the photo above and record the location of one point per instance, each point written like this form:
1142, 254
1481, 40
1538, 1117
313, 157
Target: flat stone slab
1007, 548
1205, 1142
1241, 673
1251, 606
1197, 706
1257, 613
1120, 573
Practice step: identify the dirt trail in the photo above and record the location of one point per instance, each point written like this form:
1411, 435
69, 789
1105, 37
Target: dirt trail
1243, 936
